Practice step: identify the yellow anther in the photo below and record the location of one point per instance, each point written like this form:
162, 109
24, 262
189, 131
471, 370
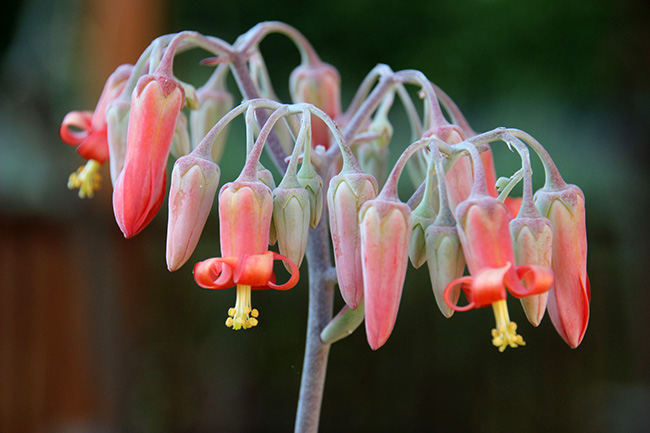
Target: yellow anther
505, 333
240, 315
86, 179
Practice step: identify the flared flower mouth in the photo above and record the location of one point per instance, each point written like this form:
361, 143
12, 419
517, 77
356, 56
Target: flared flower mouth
490, 286
250, 272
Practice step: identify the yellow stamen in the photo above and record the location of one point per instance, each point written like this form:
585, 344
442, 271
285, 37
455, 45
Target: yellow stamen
505, 333
86, 178
242, 316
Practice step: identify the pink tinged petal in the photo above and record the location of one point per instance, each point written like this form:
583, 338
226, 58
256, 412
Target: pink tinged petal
568, 303
537, 280
140, 187
191, 195
254, 270
513, 204
532, 241
293, 270
490, 172
95, 146
385, 234
446, 263
245, 211
76, 127
484, 233
77, 130
481, 290
460, 177
215, 273
345, 196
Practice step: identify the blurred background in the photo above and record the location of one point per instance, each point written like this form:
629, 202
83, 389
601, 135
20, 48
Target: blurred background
97, 336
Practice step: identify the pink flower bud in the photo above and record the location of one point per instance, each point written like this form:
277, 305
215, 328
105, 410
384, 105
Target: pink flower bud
245, 211
194, 184
140, 188
385, 232
345, 196
319, 85
532, 246
568, 302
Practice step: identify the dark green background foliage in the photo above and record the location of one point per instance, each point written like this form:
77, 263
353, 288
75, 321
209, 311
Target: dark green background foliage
573, 74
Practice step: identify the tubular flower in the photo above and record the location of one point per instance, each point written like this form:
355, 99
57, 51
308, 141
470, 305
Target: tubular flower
87, 131
568, 302
247, 272
245, 211
345, 196
194, 183
485, 237
140, 188
385, 231
319, 85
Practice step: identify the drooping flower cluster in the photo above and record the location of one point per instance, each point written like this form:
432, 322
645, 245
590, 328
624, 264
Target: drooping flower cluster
334, 167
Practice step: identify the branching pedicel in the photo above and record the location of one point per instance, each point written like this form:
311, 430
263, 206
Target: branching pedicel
534, 247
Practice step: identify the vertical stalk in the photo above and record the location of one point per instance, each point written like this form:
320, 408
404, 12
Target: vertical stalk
321, 299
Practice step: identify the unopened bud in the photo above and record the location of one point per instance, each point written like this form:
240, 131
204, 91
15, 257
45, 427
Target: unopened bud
181, 139
532, 244
212, 106
194, 182
291, 211
446, 263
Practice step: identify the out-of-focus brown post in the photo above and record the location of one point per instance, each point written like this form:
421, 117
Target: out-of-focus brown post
50, 360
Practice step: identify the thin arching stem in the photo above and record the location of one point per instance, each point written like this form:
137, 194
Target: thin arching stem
389, 191
257, 33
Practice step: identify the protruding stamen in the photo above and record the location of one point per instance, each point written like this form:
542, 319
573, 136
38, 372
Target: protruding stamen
242, 316
86, 178
505, 333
